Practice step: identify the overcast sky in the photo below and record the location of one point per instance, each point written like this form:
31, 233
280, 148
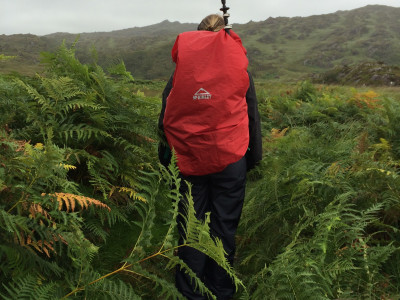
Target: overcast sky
42, 17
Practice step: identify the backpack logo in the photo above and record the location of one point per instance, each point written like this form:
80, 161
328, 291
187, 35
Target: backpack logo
202, 94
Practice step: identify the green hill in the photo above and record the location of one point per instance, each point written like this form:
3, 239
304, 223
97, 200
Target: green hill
367, 73
286, 48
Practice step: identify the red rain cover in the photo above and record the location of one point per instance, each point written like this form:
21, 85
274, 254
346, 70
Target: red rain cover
206, 119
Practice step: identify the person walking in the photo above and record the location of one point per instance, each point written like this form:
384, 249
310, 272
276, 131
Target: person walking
210, 118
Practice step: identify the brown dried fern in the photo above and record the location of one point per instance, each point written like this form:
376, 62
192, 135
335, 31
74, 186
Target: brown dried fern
35, 209
70, 201
45, 247
20, 144
277, 134
363, 144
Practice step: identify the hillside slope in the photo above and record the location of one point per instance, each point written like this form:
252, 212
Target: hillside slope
317, 43
277, 47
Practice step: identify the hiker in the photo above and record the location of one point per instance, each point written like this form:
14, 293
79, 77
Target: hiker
210, 117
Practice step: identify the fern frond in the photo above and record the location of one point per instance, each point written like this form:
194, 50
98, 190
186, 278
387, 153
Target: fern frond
22, 260
111, 290
30, 288
95, 227
13, 223
61, 88
173, 180
72, 106
81, 132
199, 285
46, 105
67, 167
63, 62
197, 235
99, 77
112, 216
276, 133
131, 193
156, 285
37, 209
70, 201
120, 70
42, 246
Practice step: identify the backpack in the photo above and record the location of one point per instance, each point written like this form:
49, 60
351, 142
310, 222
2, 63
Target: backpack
206, 119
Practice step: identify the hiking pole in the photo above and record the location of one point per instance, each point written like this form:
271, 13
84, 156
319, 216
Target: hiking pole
225, 9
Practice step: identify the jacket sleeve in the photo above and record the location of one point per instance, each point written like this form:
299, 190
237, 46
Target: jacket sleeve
254, 153
165, 95
164, 152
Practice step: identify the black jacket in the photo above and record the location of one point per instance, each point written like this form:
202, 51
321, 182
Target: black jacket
254, 153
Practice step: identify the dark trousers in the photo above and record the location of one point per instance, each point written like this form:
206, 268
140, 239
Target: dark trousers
222, 194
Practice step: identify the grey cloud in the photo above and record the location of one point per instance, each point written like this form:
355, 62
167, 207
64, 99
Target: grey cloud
48, 16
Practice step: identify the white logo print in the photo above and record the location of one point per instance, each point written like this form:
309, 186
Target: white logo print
202, 94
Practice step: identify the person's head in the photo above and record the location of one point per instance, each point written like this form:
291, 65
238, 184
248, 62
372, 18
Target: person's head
212, 22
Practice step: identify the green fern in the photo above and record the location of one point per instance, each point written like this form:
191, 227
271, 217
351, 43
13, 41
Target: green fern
111, 290
28, 288
312, 246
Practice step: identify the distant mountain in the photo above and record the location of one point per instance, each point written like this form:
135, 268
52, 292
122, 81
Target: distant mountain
277, 47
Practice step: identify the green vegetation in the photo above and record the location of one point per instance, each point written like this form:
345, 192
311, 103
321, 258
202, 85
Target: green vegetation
371, 74
86, 212
322, 217
278, 48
